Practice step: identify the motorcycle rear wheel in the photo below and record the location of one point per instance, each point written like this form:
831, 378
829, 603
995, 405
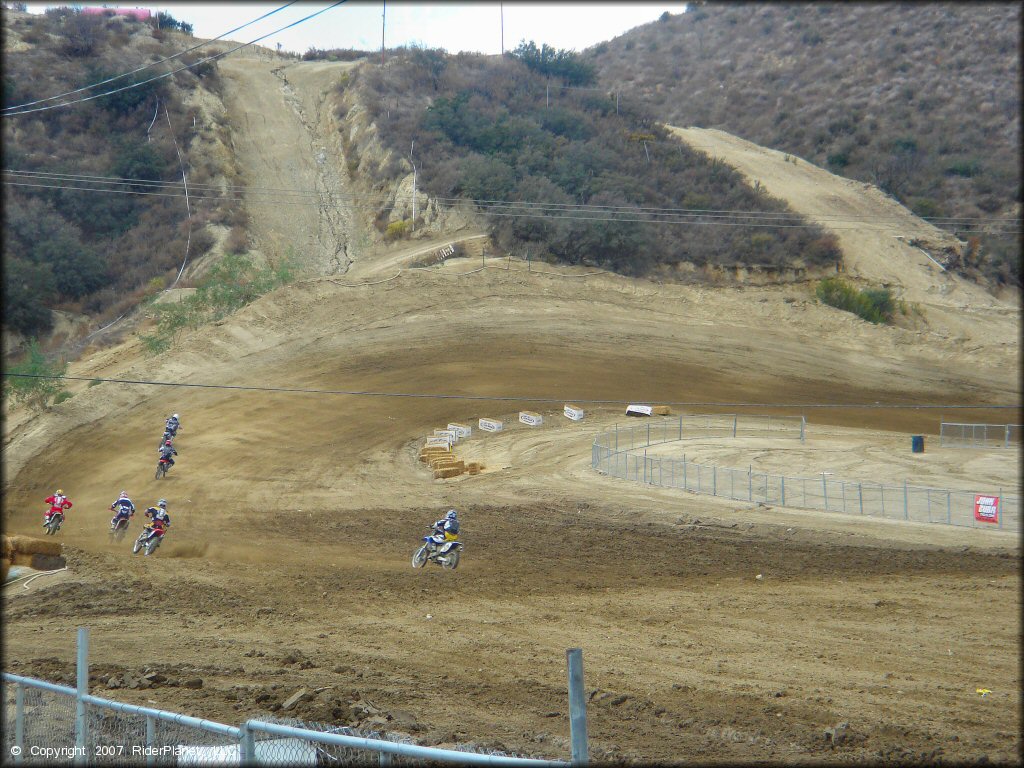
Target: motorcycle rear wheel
52, 527
151, 547
419, 558
451, 560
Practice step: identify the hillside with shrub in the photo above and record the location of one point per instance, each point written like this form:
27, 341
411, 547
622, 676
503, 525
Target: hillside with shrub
561, 171
78, 235
921, 99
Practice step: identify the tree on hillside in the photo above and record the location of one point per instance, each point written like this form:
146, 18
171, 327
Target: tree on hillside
564, 64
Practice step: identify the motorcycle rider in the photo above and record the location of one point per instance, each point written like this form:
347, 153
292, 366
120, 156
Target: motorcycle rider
446, 529
172, 425
160, 521
168, 435
124, 508
58, 503
166, 451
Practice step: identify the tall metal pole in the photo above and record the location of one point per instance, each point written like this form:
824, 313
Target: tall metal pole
501, 7
577, 707
82, 663
383, 21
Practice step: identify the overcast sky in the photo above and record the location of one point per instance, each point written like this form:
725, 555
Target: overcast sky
453, 26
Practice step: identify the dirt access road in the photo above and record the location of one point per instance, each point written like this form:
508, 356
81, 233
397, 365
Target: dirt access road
295, 515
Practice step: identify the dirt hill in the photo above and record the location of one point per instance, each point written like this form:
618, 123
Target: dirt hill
922, 99
295, 513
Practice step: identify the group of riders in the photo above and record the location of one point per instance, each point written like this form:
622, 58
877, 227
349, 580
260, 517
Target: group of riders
444, 530
123, 507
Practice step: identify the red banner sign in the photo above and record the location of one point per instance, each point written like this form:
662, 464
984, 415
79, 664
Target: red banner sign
986, 508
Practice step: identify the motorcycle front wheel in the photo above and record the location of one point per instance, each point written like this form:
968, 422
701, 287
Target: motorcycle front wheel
419, 559
136, 546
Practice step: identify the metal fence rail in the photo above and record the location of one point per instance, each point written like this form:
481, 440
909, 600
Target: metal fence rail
897, 502
667, 430
50, 724
955, 435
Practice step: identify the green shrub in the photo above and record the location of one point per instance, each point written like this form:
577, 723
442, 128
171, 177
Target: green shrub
226, 288
35, 379
396, 230
876, 305
61, 397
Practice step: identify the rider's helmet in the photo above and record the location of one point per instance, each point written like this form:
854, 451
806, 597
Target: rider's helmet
167, 443
450, 515
124, 495
175, 417
59, 492
162, 503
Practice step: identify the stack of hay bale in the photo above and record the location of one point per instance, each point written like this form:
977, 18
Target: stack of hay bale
41, 554
442, 461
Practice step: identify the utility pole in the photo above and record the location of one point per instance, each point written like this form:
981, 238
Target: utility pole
411, 147
383, 21
501, 7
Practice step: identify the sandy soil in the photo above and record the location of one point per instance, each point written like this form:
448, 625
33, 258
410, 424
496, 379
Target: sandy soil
295, 513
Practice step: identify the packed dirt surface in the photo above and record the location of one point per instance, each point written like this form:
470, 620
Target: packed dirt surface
711, 631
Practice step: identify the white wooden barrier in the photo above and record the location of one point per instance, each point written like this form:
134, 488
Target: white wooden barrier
638, 410
491, 425
573, 412
460, 430
531, 418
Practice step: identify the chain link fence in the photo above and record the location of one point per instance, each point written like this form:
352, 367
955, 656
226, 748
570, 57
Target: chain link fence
612, 454
40, 716
44, 726
954, 435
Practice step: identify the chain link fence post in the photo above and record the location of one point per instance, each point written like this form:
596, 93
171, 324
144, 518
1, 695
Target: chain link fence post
82, 663
577, 707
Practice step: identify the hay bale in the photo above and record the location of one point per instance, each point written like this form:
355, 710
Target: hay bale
661, 410
22, 558
429, 453
435, 465
8, 549
29, 545
446, 472
474, 467
5, 564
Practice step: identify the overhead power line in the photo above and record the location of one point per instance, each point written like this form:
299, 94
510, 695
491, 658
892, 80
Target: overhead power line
507, 398
175, 71
639, 214
145, 66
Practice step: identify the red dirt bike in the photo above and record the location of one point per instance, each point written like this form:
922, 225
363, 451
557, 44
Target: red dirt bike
119, 526
54, 523
161, 468
149, 540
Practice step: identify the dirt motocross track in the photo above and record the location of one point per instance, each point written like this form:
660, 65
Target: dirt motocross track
711, 631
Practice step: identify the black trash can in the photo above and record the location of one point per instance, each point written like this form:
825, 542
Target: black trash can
917, 443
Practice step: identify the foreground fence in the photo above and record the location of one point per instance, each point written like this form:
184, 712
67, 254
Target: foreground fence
46, 724
954, 435
615, 453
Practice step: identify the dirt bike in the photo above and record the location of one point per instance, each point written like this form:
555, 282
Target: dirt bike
161, 468
149, 540
446, 554
53, 524
118, 528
